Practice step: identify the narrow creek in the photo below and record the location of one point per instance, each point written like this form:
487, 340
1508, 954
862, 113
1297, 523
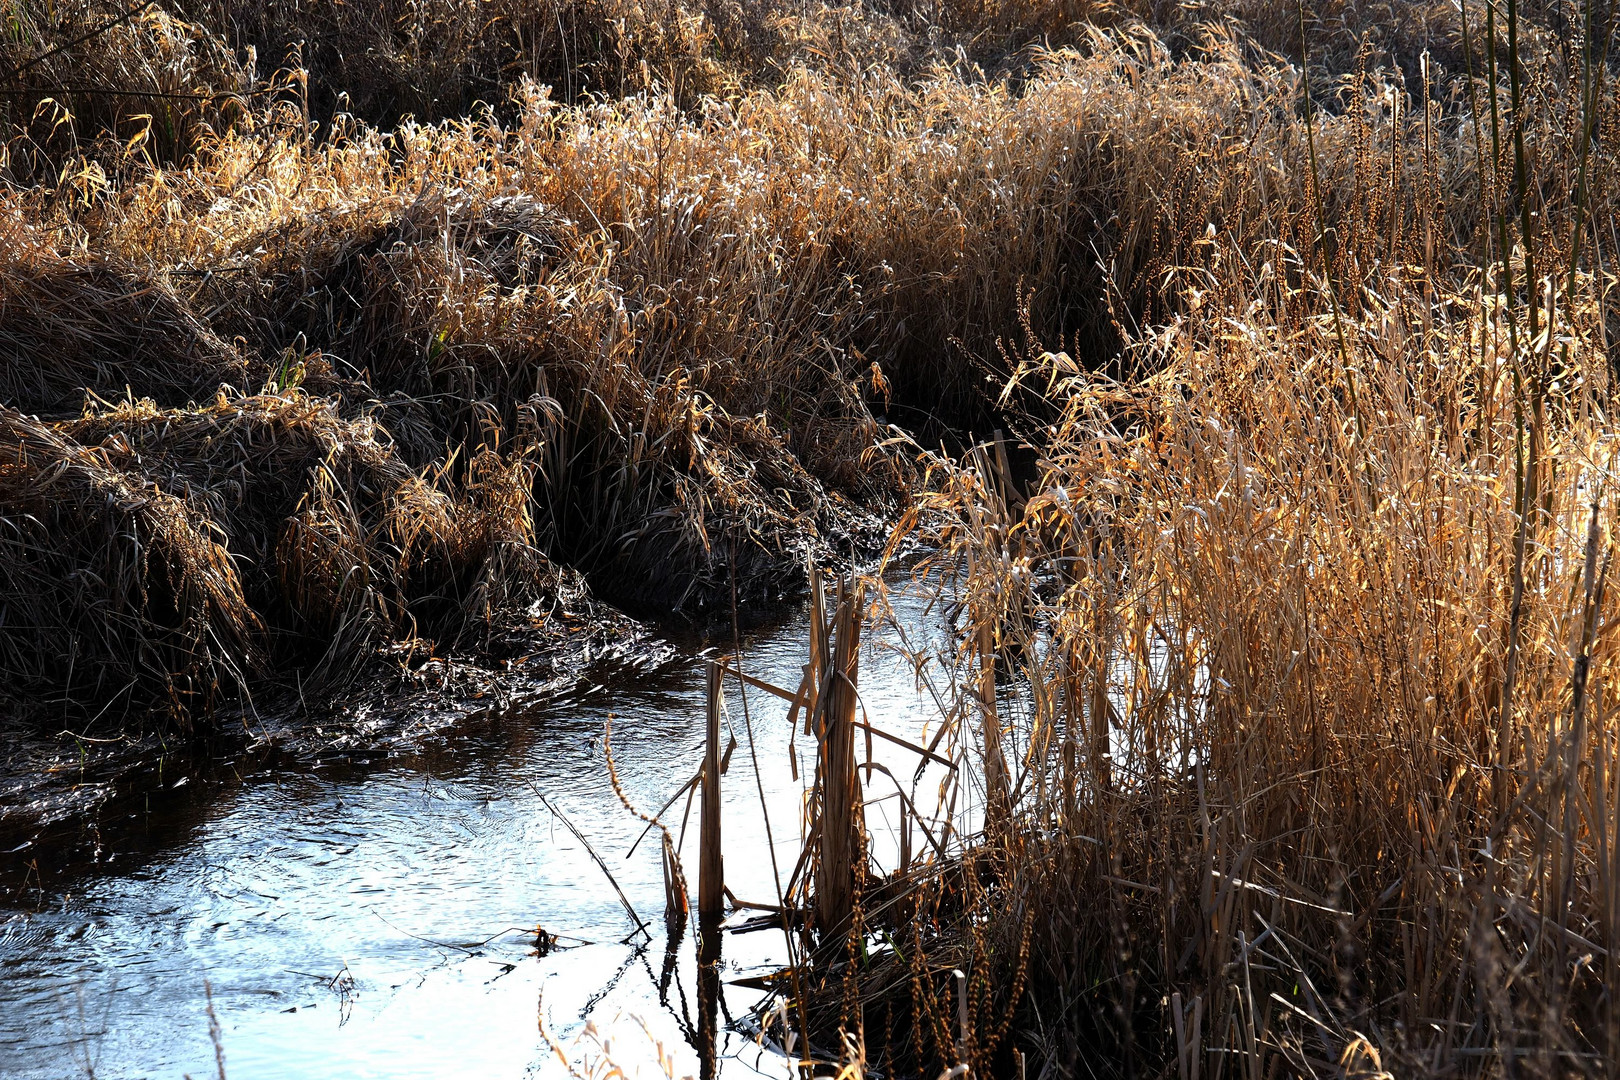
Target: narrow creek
380, 921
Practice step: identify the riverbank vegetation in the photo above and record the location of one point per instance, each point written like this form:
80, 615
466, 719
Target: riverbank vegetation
1310, 769
1291, 566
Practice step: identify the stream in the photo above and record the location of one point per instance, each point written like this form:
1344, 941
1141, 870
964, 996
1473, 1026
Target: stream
380, 920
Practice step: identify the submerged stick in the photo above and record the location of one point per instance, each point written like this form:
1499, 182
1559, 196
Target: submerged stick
654, 820
641, 926
675, 906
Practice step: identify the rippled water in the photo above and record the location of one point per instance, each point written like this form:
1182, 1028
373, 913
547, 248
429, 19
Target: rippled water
381, 922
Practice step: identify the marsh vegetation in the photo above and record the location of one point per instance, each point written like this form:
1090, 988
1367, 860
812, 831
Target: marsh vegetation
1243, 373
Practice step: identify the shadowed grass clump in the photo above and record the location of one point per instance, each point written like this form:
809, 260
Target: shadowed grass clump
456, 316
113, 597
72, 325
211, 545
85, 83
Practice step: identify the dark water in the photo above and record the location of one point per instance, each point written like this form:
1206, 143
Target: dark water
381, 922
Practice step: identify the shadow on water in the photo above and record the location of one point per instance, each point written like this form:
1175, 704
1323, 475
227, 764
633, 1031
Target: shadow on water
406, 916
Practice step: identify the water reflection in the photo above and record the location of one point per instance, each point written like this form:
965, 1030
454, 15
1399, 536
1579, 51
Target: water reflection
404, 918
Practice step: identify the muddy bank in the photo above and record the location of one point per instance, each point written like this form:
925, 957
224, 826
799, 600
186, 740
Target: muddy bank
57, 784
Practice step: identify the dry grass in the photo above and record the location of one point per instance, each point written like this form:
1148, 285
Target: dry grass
97, 79
167, 559
68, 325
111, 592
1301, 626
1263, 771
1304, 639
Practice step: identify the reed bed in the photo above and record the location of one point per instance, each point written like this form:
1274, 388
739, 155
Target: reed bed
1285, 788
1285, 670
1284, 677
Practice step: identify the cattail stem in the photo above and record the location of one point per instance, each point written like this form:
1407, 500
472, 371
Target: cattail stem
711, 866
842, 846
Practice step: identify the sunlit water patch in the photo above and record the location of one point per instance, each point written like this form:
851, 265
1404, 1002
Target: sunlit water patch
384, 922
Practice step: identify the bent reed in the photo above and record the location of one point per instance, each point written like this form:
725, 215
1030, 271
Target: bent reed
1293, 575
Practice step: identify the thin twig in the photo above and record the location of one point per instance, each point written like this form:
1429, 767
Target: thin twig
629, 909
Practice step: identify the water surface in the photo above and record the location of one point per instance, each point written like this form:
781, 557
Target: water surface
381, 921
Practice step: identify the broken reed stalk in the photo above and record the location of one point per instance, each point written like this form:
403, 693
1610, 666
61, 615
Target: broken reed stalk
818, 649
711, 867
675, 902
996, 483
711, 878
995, 768
843, 837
